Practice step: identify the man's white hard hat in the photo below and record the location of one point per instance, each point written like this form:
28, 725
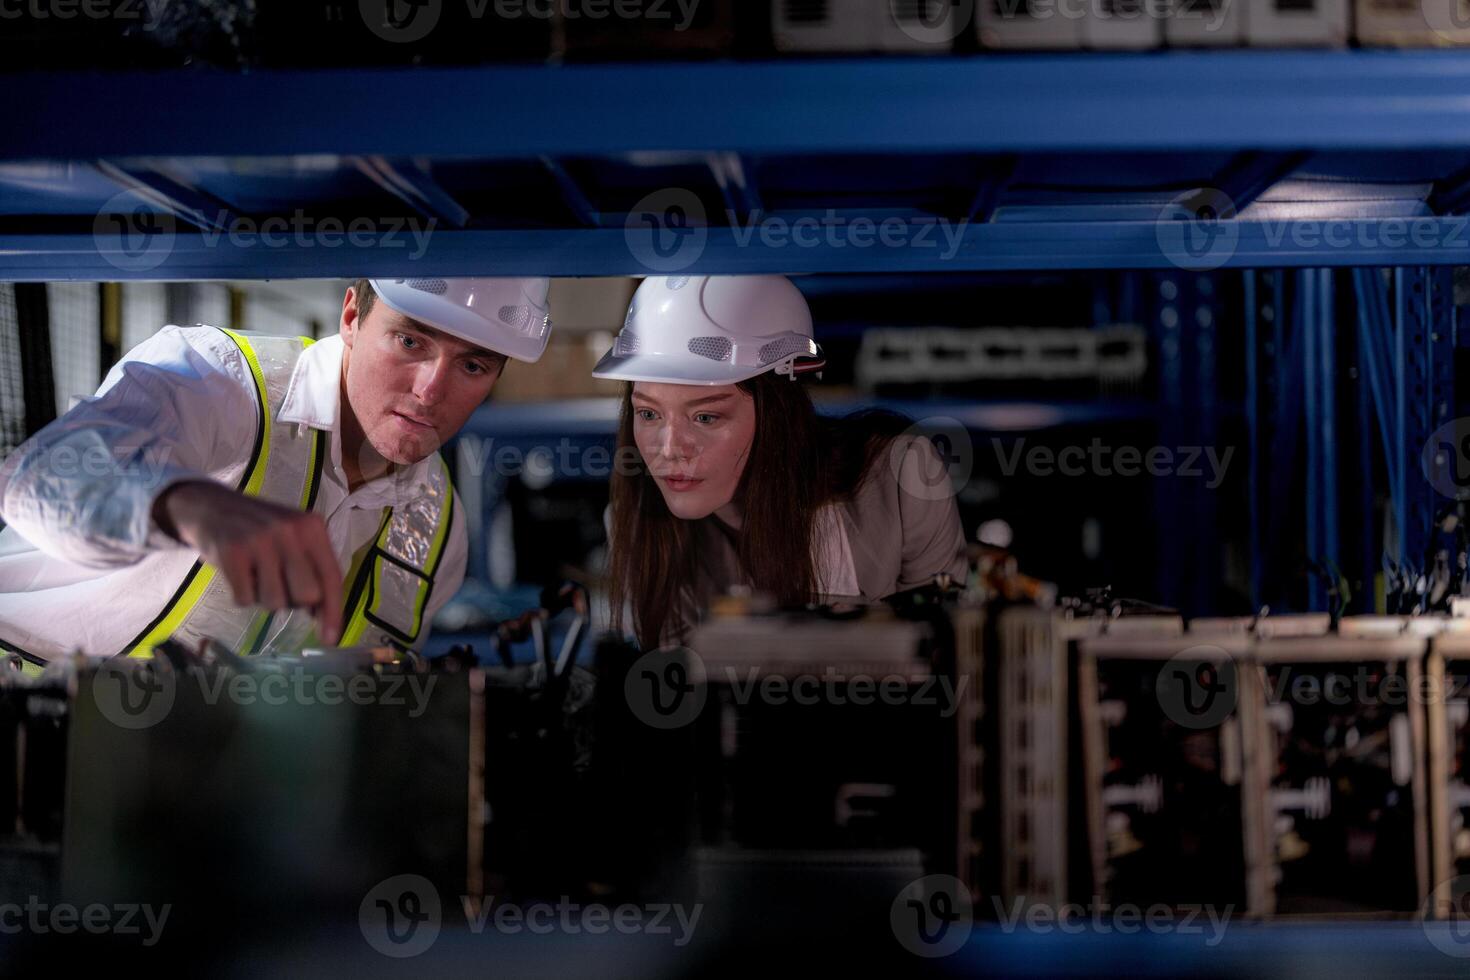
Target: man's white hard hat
712, 330
510, 316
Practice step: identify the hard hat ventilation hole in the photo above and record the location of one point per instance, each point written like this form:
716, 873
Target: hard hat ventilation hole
436, 286
677, 282
714, 348
516, 316
784, 347
626, 344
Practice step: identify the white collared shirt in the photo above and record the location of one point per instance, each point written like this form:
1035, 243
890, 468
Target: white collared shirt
78, 497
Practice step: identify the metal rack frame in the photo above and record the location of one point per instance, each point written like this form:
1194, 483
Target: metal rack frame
1247, 160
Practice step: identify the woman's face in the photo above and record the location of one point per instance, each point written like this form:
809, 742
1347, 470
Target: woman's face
695, 441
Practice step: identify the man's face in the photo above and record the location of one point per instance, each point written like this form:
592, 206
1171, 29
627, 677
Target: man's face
411, 387
695, 441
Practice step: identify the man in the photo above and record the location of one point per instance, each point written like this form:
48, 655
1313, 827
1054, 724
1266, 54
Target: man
265, 492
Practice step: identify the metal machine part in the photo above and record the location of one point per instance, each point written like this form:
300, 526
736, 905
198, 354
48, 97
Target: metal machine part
1164, 772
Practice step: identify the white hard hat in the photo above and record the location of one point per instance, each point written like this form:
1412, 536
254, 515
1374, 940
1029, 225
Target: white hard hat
509, 316
712, 330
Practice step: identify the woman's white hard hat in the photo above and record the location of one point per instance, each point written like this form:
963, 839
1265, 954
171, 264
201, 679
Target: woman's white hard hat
712, 330
510, 316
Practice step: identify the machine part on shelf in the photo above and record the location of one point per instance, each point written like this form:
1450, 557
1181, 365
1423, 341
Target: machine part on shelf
1320, 22
936, 355
708, 29
1162, 767
1034, 650
1361, 835
855, 26
975, 832
1026, 26
1265, 625
996, 575
1196, 23
1448, 727
1436, 23
1121, 24
179, 779
1313, 800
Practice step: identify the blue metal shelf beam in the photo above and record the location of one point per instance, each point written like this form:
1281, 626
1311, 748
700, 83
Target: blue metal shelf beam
394, 250
1231, 100
409, 184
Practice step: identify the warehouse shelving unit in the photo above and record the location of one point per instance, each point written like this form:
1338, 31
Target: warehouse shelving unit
1305, 169
1052, 162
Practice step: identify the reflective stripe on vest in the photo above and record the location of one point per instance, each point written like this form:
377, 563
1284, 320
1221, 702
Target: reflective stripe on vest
30, 664
285, 468
396, 575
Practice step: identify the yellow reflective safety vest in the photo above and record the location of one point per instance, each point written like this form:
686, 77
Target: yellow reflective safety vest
390, 578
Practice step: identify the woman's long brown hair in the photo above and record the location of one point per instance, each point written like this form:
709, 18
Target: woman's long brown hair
798, 462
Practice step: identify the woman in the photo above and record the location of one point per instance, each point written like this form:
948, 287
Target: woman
737, 481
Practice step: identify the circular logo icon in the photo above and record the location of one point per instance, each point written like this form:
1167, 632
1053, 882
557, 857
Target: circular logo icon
667, 230
666, 688
1447, 917
401, 916
932, 916
1198, 687
130, 235
1445, 459
936, 476
134, 694
932, 21
1450, 19
401, 21
1197, 230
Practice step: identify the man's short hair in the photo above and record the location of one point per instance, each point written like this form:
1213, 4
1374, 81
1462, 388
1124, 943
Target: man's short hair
366, 297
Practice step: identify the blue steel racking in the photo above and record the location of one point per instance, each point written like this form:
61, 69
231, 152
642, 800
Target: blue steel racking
1287, 165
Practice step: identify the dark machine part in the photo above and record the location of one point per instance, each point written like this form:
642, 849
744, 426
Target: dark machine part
1171, 798
33, 737
235, 806
1341, 814
709, 32
538, 757
643, 787
848, 771
538, 751
1456, 782
819, 811
1101, 602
